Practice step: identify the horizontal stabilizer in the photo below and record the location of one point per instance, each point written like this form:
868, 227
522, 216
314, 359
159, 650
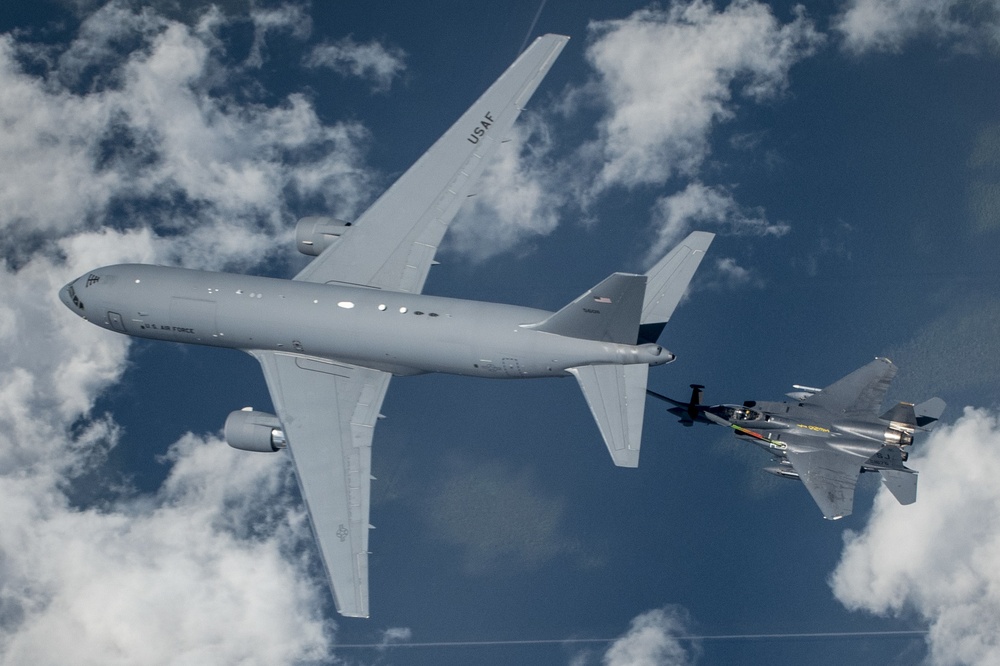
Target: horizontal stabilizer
609, 312
616, 395
901, 483
669, 278
929, 412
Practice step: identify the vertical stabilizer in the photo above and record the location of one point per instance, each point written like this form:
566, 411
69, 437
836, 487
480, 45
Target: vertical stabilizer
616, 395
669, 278
929, 412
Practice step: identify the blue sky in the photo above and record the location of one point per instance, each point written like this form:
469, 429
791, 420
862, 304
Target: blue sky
848, 157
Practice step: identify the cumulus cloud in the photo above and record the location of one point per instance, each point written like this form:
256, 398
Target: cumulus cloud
666, 76
515, 199
177, 577
731, 275
938, 557
652, 640
708, 208
121, 147
885, 25
663, 79
396, 635
290, 19
148, 142
376, 62
201, 571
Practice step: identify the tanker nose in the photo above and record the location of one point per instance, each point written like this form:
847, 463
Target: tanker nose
69, 298
64, 296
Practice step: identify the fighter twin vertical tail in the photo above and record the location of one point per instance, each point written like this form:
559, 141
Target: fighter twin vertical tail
626, 309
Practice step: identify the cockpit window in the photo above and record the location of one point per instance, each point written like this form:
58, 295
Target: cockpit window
743, 414
73, 297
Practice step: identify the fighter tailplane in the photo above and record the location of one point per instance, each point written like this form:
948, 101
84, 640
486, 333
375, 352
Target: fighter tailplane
899, 479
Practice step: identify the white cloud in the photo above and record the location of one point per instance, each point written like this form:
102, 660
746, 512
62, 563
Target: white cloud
885, 25
516, 197
652, 640
708, 208
668, 75
376, 62
110, 156
291, 19
175, 579
731, 274
147, 142
394, 635
202, 571
938, 557
664, 79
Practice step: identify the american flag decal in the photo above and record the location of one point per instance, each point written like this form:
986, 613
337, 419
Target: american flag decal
602, 299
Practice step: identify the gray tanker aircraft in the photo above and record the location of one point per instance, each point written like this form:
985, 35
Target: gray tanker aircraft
330, 339
828, 437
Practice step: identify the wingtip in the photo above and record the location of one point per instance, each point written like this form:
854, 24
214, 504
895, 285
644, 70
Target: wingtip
699, 240
626, 458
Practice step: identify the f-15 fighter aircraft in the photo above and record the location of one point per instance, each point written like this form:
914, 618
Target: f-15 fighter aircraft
330, 339
828, 437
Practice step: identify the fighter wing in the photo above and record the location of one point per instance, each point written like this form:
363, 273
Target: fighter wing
328, 412
829, 476
859, 393
392, 245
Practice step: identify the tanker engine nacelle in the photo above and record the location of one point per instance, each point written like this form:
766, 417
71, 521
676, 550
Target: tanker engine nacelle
315, 234
248, 430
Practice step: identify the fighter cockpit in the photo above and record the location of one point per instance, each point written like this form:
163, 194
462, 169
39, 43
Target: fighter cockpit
740, 413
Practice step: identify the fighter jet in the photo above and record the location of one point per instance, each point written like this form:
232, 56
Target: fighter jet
330, 339
828, 437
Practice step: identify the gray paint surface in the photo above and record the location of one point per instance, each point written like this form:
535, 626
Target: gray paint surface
329, 340
828, 437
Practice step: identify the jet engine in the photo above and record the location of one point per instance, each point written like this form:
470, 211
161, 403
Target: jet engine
248, 430
876, 432
315, 234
